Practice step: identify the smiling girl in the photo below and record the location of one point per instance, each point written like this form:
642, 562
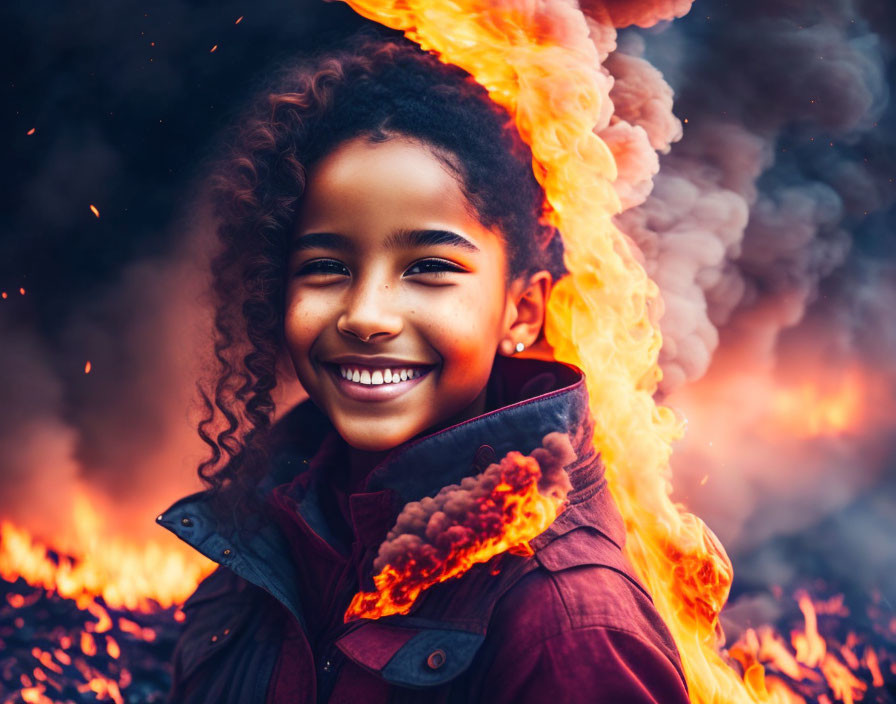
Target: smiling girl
381, 226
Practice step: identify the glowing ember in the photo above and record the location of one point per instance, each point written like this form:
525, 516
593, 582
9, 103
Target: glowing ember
87, 367
239, 19
21, 291
3, 295
213, 49
31, 131
442, 537
94, 210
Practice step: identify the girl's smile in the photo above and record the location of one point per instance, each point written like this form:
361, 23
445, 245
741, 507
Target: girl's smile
398, 297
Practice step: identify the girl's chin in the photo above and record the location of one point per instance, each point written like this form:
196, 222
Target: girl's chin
374, 440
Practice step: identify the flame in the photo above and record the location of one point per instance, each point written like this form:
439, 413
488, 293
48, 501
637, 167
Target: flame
499, 510
94, 564
812, 661
94, 210
536, 59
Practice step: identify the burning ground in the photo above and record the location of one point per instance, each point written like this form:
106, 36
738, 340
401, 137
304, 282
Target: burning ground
755, 147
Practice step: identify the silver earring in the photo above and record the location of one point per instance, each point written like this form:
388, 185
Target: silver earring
520, 347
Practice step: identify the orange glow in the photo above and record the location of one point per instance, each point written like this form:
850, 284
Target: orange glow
213, 49
112, 648
873, 665
88, 644
3, 295
239, 19
94, 210
810, 647
87, 367
125, 574
35, 695
31, 131
22, 291
809, 410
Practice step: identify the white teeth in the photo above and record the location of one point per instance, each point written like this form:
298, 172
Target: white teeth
378, 376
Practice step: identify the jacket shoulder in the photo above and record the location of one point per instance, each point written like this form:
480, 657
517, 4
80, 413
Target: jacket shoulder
546, 603
559, 633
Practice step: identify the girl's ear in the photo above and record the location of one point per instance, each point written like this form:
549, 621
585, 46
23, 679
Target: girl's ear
527, 300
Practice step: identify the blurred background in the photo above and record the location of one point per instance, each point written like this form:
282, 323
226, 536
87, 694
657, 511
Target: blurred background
757, 150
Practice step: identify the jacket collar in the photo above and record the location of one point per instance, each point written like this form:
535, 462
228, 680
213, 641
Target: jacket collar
532, 398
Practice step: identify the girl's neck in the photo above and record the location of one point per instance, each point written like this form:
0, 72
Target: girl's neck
360, 464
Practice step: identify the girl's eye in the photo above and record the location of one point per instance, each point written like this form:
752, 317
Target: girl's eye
323, 267
433, 267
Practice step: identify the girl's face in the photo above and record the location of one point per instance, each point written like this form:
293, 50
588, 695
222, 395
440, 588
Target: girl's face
397, 298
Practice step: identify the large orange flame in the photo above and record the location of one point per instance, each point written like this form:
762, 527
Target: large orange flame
536, 59
91, 563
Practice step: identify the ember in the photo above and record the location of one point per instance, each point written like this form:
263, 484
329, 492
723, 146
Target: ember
55, 651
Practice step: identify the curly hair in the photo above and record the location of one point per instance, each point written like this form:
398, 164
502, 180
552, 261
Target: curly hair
373, 86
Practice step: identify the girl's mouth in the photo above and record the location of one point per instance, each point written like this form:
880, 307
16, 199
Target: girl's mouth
362, 383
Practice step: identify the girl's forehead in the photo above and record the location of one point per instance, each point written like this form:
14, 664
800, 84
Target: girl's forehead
396, 184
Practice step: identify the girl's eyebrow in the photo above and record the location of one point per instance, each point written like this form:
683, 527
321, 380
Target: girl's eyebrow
401, 239
409, 239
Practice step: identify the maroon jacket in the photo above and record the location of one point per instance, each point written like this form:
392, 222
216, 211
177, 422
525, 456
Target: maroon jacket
569, 624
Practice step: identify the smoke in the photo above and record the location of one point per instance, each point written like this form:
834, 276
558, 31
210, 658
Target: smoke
124, 429
768, 231
756, 157
462, 516
124, 102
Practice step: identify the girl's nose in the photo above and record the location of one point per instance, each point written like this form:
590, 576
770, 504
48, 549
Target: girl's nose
370, 313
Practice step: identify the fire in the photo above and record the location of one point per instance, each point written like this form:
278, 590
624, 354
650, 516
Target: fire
815, 667
94, 210
537, 60
96, 564
442, 537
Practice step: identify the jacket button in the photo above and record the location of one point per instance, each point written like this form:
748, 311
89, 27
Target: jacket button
436, 659
186, 522
328, 666
484, 456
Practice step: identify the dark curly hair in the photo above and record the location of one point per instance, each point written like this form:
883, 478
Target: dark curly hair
374, 86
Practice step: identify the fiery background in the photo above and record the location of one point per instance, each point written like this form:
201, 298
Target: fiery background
757, 152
